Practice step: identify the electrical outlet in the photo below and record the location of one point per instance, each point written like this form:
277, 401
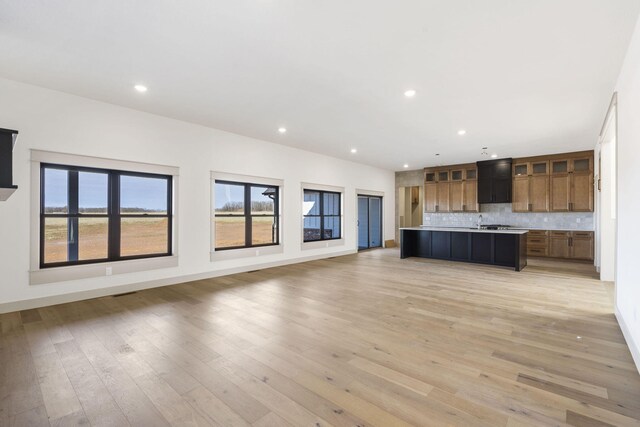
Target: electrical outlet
327, 244
257, 252
109, 271
546, 219
578, 220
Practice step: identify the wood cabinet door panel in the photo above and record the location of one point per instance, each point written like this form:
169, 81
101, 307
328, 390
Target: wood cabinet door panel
560, 193
520, 194
443, 197
582, 192
582, 249
539, 193
559, 247
430, 197
471, 196
457, 196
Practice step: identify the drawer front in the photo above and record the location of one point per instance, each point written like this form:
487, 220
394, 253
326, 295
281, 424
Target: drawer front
537, 241
538, 233
560, 233
537, 251
582, 234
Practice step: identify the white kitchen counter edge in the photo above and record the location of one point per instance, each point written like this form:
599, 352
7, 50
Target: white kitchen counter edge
465, 230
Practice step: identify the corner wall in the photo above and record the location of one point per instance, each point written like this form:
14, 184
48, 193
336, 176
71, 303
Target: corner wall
55, 121
627, 272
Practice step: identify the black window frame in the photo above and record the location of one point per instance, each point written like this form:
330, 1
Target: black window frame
113, 215
322, 215
248, 216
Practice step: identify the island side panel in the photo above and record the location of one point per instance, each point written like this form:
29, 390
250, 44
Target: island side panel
521, 261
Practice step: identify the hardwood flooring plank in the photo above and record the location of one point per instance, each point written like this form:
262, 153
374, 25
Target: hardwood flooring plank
579, 420
99, 406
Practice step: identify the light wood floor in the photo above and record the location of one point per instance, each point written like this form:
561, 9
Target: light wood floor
367, 339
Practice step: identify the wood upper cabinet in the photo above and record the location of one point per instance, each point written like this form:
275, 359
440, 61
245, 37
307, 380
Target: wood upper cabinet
558, 183
456, 190
530, 186
457, 196
451, 189
471, 190
572, 184
539, 193
560, 192
430, 196
582, 184
443, 196
520, 197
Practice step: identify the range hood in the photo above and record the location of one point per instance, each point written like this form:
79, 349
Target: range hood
8, 139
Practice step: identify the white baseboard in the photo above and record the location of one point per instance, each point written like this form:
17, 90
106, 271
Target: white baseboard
633, 346
115, 290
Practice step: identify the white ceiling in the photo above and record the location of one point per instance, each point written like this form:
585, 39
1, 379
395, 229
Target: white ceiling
523, 77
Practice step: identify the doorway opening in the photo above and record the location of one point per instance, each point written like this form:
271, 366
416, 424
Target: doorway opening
369, 222
410, 206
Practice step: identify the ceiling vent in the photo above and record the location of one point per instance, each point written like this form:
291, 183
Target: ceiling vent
7, 142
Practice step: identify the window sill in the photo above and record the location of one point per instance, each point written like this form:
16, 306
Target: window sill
230, 254
322, 244
88, 271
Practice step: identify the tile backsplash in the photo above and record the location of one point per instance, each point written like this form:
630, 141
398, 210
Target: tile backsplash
500, 213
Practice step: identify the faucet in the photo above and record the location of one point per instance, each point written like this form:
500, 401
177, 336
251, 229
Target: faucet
479, 222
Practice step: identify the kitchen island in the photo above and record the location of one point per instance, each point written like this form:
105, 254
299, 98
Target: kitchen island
507, 248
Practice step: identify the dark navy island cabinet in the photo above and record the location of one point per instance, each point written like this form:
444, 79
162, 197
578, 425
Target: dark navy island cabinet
505, 249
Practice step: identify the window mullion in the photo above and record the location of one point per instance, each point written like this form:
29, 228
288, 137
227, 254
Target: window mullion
321, 215
72, 221
248, 219
114, 215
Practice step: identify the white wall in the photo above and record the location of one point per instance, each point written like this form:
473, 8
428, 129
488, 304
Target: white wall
628, 215
54, 121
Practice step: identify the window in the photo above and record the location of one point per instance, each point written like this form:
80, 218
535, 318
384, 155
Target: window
245, 215
322, 215
98, 215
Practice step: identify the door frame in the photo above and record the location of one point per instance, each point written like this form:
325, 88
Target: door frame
370, 193
608, 133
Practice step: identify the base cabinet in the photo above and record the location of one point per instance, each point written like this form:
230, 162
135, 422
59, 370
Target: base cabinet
561, 244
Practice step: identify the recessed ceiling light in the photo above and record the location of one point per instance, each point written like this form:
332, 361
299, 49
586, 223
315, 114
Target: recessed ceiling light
462, 132
282, 130
140, 88
437, 154
406, 166
410, 93
354, 151
493, 156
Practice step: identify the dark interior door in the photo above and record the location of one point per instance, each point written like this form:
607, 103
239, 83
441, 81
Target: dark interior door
369, 222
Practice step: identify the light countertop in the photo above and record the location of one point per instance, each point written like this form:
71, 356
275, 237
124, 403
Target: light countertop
466, 230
